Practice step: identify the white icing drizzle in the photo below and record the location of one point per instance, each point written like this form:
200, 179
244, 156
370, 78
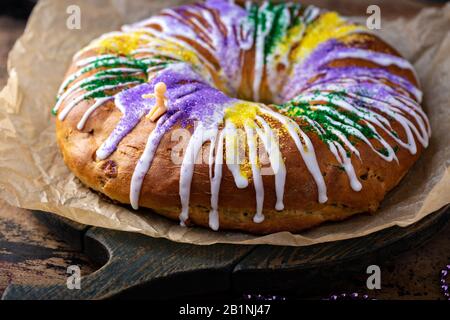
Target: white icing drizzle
88, 60
98, 102
68, 107
341, 155
306, 150
182, 44
200, 136
93, 43
259, 54
408, 126
360, 135
232, 155
375, 118
154, 51
232, 61
76, 87
145, 162
276, 159
340, 84
380, 58
81, 71
256, 173
215, 181
275, 77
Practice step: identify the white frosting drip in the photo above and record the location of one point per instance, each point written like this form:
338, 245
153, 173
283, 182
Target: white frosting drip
88, 60
68, 107
81, 71
232, 155
407, 125
182, 44
276, 159
200, 136
382, 59
144, 163
306, 150
259, 55
256, 173
377, 119
215, 181
87, 114
76, 87
346, 162
93, 43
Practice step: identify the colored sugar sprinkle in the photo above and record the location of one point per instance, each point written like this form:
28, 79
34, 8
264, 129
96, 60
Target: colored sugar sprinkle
97, 83
328, 119
242, 113
328, 26
122, 44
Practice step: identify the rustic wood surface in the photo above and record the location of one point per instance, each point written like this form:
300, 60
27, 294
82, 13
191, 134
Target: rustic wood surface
341, 266
167, 269
135, 266
30, 253
33, 251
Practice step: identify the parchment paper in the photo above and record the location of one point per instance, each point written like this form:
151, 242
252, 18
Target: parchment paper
33, 175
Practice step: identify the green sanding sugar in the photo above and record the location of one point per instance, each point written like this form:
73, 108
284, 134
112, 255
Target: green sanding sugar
330, 118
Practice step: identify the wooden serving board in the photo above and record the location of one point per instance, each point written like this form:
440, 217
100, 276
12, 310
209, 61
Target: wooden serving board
137, 266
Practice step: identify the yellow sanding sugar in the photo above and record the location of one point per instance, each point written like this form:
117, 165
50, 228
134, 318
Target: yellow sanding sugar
293, 36
326, 27
174, 50
242, 113
357, 38
246, 169
121, 43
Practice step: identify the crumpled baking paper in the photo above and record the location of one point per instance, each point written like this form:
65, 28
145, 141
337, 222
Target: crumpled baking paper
33, 175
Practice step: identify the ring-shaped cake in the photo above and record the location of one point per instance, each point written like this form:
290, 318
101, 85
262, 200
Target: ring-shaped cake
276, 117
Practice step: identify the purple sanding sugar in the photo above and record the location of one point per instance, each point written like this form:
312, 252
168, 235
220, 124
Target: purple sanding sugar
222, 37
228, 44
133, 108
329, 51
305, 70
363, 88
333, 74
187, 92
189, 97
378, 93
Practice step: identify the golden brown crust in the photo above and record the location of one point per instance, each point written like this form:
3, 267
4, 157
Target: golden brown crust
161, 184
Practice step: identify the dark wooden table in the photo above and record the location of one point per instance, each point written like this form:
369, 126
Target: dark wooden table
32, 253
